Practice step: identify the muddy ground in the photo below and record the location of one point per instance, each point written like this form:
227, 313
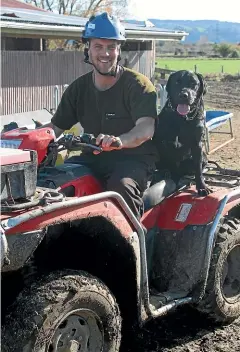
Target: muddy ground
186, 330
226, 96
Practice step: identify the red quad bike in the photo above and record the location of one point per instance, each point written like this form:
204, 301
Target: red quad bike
77, 265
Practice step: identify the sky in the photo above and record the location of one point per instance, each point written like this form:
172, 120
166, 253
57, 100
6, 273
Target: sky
222, 10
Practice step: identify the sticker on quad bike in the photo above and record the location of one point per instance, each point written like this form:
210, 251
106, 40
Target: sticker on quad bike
183, 212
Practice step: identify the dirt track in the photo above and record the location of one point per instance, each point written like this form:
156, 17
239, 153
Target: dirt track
226, 96
186, 330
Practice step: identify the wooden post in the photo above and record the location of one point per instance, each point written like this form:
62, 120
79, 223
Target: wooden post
195, 68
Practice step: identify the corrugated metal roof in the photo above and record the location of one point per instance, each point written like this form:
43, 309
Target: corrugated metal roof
26, 15
48, 24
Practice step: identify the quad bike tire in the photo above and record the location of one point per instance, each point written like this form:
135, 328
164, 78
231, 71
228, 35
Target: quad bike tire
222, 297
65, 311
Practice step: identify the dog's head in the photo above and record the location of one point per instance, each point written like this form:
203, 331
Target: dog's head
185, 89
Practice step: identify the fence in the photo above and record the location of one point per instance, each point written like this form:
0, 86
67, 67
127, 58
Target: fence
162, 96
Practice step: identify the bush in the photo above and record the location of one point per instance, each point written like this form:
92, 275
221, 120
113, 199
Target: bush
235, 54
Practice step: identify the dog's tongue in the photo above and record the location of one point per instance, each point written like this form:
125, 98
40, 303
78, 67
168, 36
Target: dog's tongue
183, 109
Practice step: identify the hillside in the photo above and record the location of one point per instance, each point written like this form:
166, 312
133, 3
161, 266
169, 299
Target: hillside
215, 31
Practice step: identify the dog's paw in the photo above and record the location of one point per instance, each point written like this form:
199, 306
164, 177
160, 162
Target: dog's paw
204, 191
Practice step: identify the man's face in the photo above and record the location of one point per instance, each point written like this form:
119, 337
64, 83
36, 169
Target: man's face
103, 53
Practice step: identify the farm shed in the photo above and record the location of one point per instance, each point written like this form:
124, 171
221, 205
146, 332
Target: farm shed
30, 74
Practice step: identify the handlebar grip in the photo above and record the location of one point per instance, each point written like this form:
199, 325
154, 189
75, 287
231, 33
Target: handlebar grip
116, 144
71, 142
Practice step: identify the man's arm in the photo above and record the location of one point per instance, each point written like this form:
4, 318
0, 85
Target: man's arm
66, 115
58, 131
142, 100
142, 132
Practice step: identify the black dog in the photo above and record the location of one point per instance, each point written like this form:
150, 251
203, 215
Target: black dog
180, 128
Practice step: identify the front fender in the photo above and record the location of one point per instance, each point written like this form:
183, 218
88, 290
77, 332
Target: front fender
109, 205
106, 204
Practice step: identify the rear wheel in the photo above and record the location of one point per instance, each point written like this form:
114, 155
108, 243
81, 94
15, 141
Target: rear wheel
222, 298
67, 311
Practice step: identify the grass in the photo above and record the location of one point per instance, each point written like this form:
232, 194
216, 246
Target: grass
204, 66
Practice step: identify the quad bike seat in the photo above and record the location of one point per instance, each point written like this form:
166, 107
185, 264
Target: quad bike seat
157, 192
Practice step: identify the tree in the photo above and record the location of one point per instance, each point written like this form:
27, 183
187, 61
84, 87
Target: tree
223, 49
83, 8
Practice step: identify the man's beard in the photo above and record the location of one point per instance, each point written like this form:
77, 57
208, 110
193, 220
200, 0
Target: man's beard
110, 70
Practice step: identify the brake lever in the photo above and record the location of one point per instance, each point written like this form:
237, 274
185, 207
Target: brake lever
114, 144
94, 147
79, 145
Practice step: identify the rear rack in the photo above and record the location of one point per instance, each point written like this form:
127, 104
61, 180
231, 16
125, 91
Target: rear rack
216, 176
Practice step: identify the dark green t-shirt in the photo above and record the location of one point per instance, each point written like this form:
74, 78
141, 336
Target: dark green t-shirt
113, 111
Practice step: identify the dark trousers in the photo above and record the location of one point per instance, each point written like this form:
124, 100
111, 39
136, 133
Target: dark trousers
127, 177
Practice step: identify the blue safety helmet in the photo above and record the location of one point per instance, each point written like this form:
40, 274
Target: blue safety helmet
104, 26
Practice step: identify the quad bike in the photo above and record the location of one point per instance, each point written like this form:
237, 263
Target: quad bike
78, 267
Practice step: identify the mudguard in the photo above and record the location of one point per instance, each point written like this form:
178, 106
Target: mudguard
186, 208
181, 246
109, 205
102, 204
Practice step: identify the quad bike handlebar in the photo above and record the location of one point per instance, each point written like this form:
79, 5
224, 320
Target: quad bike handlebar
43, 142
70, 142
76, 143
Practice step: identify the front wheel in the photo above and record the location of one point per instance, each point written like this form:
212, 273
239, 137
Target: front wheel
66, 311
222, 297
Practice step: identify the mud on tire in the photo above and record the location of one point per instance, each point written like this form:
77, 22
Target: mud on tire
65, 309
222, 298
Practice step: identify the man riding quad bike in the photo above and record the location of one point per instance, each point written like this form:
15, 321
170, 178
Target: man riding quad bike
80, 269
77, 269
118, 106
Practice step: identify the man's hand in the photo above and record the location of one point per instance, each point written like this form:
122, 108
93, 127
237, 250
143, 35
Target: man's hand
108, 143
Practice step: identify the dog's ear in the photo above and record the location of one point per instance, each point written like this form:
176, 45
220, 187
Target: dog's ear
169, 81
203, 86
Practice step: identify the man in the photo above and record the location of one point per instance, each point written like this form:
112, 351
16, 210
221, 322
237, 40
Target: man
114, 104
